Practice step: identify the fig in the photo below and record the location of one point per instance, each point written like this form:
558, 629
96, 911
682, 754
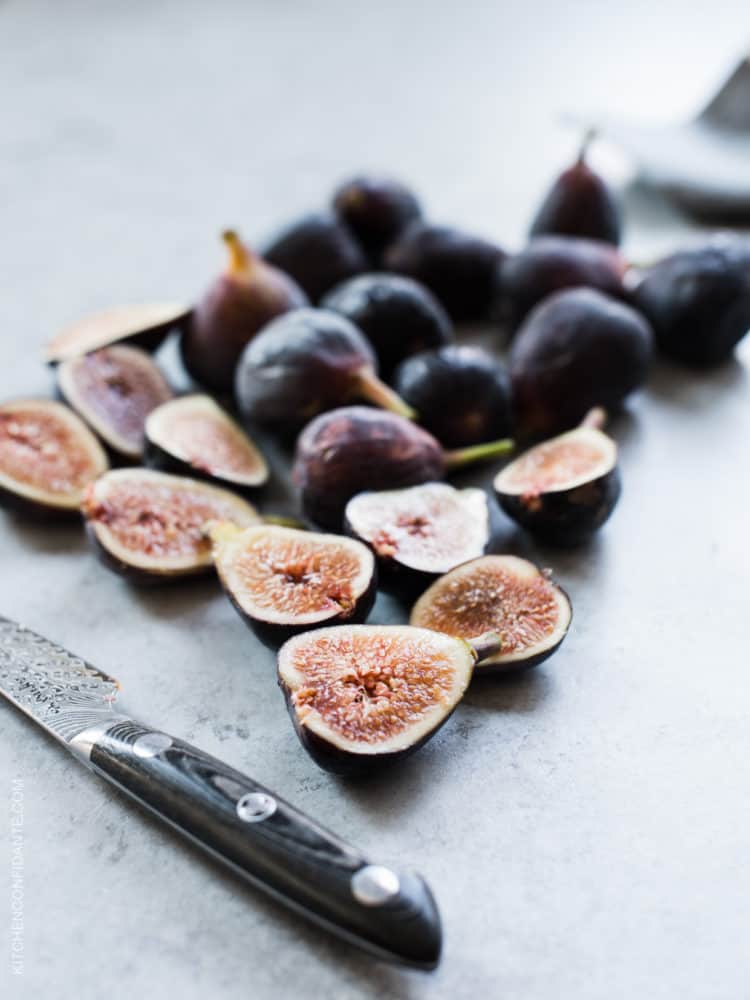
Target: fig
304, 363
249, 294
507, 595
318, 251
563, 489
398, 316
363, 696
283, 581
355, 448
194, 436
456, 266
145, 325
551, 263
579, 203
698, 302
47, 457
376, 209
577, 349
422, 531
461, 394
114, 389
148, 526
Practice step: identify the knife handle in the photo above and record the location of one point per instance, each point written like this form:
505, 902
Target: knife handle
268, 841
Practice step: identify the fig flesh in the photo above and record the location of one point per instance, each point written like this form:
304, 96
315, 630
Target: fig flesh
47, 457
145, 325
502, 594
698, 302
563, 489
304, 363
551, 263
579, 203
148, 526
456, 266
398, 316
461, 394
421, 531
577, 349
249, 294
114, 389
318, 251
376, 209
356, 448
283, 581
363, 696
194, 436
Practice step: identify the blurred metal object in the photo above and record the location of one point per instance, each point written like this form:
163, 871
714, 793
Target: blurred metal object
703, 165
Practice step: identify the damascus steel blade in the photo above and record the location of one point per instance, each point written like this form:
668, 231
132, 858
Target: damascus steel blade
60, 691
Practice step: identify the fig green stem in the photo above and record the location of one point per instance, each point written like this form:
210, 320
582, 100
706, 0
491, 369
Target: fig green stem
486, 645
240, 257
588, 137
369, 387
477, 453
596, 418
284, 522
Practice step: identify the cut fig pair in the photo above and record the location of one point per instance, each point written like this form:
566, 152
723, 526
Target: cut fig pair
362, 696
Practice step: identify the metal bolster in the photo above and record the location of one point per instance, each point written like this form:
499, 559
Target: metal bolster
82, 744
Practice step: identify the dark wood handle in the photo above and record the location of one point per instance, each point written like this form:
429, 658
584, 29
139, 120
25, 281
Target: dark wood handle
273, 844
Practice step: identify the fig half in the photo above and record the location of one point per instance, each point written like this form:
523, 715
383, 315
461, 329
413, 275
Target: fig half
114, 390
362, 696
194, 436
145, 324
563, 489
283, 581
502, 594
356, 448
148, 526
422, 531
47, 457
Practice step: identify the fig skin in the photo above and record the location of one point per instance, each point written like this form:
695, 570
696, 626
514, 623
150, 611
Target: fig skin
579, 203
304, 363
318, 252
458, 267
698, 302
161, 458
550, 263
376, 209
461, 394
275, 634
355, 448
577, 349
398, 316
30, 501
249, 294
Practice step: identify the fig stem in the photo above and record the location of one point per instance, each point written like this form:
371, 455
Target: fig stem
596, 418
459, 457
486, 645
284, 522
588, 137
370, 387
240, 257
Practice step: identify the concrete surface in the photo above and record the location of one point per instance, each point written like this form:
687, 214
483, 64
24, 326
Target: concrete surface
585, 827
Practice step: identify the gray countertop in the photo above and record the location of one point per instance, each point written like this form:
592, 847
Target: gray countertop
584, 826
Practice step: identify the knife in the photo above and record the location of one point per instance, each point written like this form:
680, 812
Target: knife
249, 828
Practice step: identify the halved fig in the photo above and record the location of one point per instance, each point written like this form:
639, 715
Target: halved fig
148, 526
565, 488
283, 581
114, 390
422, 531
194, 436
47, 457
362, 696
501, 594
145, 324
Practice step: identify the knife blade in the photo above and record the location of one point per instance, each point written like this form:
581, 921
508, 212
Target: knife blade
391, 914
